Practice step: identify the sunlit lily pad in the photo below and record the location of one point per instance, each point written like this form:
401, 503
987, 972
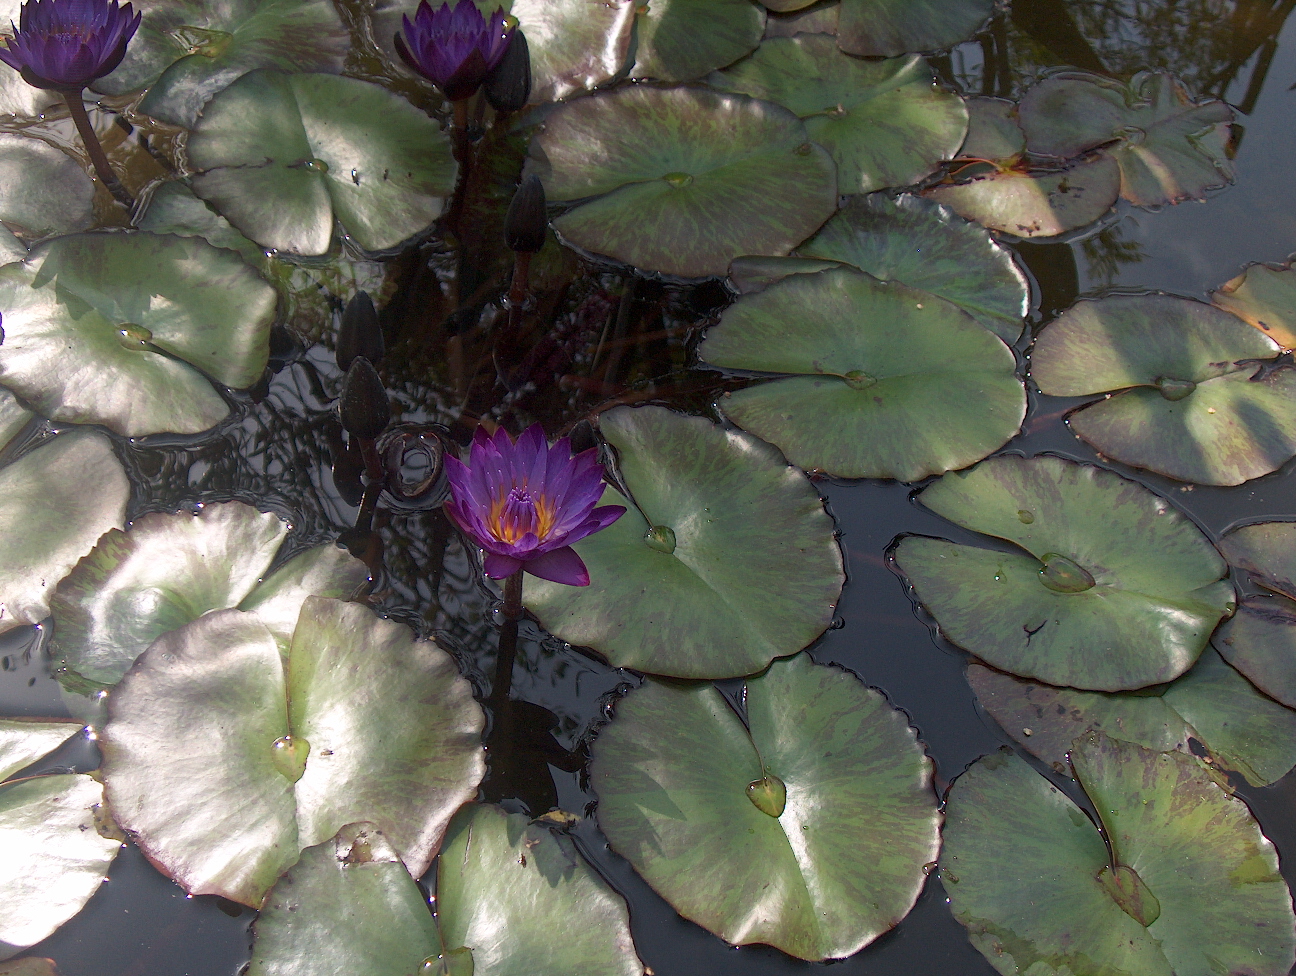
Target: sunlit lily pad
24, 740
680, 40
173, 209
102, 328
740, 567
43, 190
881, 377
1169, 147
1264, 296
886, 28
1190, 885
886, 123
281, 156
1197, 405
225, 757
187, 50
29, 966
683, 180
1111, 588
807, 829
993, 130
168, 570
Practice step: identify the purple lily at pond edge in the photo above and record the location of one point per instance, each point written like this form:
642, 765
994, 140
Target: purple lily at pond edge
455, 48
525, 503
64, 45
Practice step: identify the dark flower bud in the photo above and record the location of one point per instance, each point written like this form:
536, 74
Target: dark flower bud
526, 220
363, 410
359, 334
508, 86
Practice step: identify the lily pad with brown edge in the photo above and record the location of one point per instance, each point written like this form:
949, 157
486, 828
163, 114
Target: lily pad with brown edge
168, 570
680, 181
886, 123
681, 40
1103, 584
1169, 147
1260, 641
887, 28
43, 190
724, 560
283, 156
224, 757
1263, 295
876, 377
1189, 886
806, 828
114, 329
1198, 402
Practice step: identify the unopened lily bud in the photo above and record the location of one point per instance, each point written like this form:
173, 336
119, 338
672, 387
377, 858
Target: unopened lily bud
508, 86
364, 409
359, 334
526, 221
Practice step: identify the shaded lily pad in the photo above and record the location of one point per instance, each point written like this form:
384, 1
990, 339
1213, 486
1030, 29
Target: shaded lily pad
29, 966
788, 18
92, 323
886, 123
1265, 296
225, 758
993, 130
1169, 147
1190, 885
24, 740
1260, 641
43, 190
809, 832
754, 572
882, 377
749, 275
1197, 405
886, 28
669, 45
282, 155
169, 570
683, 180
1111, 588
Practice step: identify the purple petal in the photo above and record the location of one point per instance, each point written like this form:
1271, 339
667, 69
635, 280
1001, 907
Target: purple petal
559, 566
499, 567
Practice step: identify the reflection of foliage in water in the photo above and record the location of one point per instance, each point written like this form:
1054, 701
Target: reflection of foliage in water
1107, 252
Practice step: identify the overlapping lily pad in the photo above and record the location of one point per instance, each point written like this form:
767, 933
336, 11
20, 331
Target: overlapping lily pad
724, 560
11, 248
680, 40
106, 328
225, 757
682, 180
1197, 403
169, 570
886, 123
1105, 586
994, 133
43, 190
808, 828
886, 28
1265, 296
883, 375
281, 156
1190, 884
29, 966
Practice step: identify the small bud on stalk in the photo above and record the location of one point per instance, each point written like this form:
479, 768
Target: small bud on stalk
359, 333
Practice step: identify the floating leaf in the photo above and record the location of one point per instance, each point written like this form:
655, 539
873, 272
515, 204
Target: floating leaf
1191, 885
994, 132
683, 180
1201, 408
226, 758
11, 248
752, 274
838, 865
28, 966
173, 209
1264, 550
13, 417
755, 572
886, 28
819, 18
883, 376
43, 190
1260, 641
281, 155
886, 123
1156, 593
669, 45
24, 740
1264, 296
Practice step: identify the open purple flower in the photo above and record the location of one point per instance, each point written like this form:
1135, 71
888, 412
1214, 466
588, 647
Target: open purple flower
64, 45
525, 503
454, 49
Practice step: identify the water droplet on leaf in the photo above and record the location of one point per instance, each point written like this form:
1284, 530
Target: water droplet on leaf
289, 753
768, 794
1025, 516
661, 538
1063, 575
1173, 389
678, 179
857, 379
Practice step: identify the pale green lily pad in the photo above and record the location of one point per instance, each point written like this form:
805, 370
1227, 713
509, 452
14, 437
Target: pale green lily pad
682, 180
994, 132
11, 248
29, 966
24, 740
92, 323
827, 859
13, 417
1111, 588
186, 50
1190, 888
280, 156
1265, 296
680, 40
881, 376
43, 190
173, 209
886, 123
1169, 147
754, 574
169, 570
1196, 405
887, 28
225, 757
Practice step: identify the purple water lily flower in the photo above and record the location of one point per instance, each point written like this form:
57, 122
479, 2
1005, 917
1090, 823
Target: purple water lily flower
64, 45
525, 503
454, 49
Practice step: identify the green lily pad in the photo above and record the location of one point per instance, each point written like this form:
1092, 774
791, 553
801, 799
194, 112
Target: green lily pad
1264, 296
43, 190
791, 17
670, 47
683, 180
103, 328
24, 740
1111, 588
280, 156
1197, 406
11, 248
994, 133
886, 123
882, 375
169, 570
1264, 552
225, 757
173, 209
755, 572
55, 503
13, 417
887, 28
1260, 641
1190, 886
749, 275
187, 50
1169, 147
924, 245
807, 829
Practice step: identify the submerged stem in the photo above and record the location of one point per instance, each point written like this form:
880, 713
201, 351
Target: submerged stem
513, 596
462, 155
95, 150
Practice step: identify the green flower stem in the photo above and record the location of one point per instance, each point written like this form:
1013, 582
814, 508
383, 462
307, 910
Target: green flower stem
92, 146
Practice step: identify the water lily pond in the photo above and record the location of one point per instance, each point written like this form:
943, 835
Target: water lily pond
624, 488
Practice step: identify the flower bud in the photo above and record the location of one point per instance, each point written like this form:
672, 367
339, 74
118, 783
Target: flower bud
363, 409
359, 334
526, 221
508, 86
